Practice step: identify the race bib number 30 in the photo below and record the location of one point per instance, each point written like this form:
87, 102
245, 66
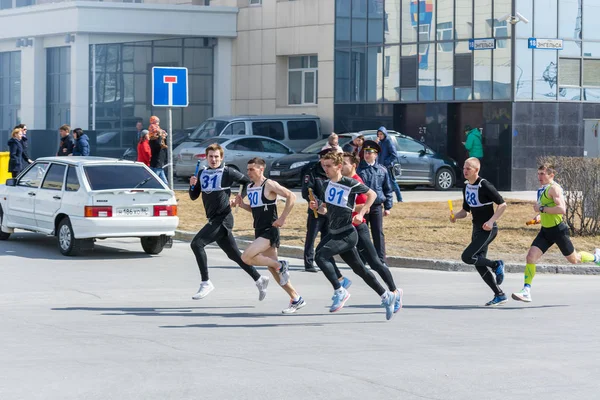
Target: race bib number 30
210, 180
337, 194
255, 196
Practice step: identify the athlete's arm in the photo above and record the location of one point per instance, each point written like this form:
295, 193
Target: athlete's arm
239, 201
491, 193
290, 199
237, 177
499, 211
556, 194
195, 192
371, 197
459, 215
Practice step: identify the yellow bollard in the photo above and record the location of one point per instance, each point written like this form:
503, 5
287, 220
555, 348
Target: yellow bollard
4, 174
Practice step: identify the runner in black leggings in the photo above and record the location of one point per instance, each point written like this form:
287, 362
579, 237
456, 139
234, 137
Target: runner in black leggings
338, 203
479, 197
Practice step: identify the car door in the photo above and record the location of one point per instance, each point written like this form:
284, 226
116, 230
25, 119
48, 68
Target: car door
49, 197
272, 150
241, 150
412, 156
21, 198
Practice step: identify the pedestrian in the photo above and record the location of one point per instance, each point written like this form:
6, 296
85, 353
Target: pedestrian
333, 143
479, 197
365, 246
388, 157
67, 143
338, 201
313, 180
82, 143
139, 132
214, 183
473, 142
159, 150
551, 207
376, 177
16, 160
144, 153
25, 142
262, 194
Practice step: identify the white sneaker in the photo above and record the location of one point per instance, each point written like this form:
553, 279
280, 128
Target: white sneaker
284, 273
204, 290
523, 295
597, 255
262, 284
294, 306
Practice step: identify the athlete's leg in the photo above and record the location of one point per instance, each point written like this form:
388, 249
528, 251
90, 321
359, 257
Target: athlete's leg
271, 253
324, 229
353, 260
205, 236
327, 248
254, 254
367, 251
312, 229
475, 254
227, 243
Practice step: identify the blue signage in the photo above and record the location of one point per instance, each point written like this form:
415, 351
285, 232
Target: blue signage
482, 44
169, 87
545, 44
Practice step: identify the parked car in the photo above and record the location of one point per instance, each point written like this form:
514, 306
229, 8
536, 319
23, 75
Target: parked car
79, 199
418, 164
238, 150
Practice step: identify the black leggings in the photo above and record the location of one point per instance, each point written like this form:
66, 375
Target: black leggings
219, 230
476, 254
367, 252
344, 244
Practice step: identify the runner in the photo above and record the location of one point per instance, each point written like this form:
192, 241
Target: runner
479, 197
339, 197
215, 185
365, 246
262, 194
551, 206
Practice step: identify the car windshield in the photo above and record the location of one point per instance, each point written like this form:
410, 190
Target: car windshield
208, 129
217, 140
315, 148
103, 177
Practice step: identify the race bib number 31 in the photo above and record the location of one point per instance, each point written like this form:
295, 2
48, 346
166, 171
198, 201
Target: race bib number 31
337, 194
210, 180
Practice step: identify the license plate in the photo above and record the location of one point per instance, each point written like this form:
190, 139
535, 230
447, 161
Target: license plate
275, 173
133, 212
186, 157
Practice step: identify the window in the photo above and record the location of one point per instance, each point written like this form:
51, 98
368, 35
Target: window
302, 80
58, 81
424, 37
10, 89
591, 73
237, 128
255, 2
271, 146
73, 184
463, 70
272, 129
24, 3
298, 130
33, 177
500, 31
408, 145
408, 72
55, 177
5, 4
250, 144
102, 177
569, 72
444, 32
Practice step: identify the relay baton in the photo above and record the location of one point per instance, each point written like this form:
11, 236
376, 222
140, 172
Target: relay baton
532, 222
240, 193
451, 209
197, 169
312, 198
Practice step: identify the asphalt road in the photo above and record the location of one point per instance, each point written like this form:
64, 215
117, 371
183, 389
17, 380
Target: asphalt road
118, 324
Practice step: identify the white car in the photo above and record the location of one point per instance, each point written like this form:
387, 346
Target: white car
79, 199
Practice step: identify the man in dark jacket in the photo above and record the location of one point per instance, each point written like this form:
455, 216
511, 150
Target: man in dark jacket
24, 143
67, 143
377, 179
388, 157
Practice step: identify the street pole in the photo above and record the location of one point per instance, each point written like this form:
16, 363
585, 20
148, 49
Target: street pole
170, 141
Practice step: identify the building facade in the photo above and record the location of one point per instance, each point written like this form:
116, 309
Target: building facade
527, 72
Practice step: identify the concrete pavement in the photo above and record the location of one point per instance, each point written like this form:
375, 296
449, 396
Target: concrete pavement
119, 324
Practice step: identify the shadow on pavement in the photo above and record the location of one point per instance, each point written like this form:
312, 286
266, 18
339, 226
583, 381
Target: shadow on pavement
463, 307
300, 325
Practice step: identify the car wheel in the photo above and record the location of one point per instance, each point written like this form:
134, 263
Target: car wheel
67, 244
3, 235
153, 244
444, 179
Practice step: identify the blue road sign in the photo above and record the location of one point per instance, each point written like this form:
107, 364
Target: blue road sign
545, 44
482, 44
169, 87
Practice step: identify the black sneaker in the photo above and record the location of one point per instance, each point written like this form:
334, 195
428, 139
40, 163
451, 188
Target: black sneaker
311, 269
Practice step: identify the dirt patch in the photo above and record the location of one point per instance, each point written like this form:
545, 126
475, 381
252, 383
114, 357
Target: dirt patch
412, 230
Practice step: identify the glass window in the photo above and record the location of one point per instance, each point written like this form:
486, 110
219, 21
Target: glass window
391, 21
359, 22
483, 19
408, 77
5, 4
592, 95
523, 70
464, 19
33, 176
55, 177
375, 21
73, 184
342, 23
444, 32
427, 73
391, 74
502, 72
445, 75
569, 71
569, 19
201, 88
198, 60
445, 23
546, 12
545, 75
410, 12
375, 62
236, 128
524, 31
102, 177
298, 130
591, 73
10, 89
591, 16
249, 144
271, 146
302, 80
58, 86
569, 94
342, 75
358, 75
591, 49
463, 71
482, 75
409, 145
272, 129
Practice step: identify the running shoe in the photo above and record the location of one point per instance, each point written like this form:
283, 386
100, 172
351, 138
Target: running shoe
497, 301
597, 257
203, 291
339, 298
284, 273
346, 283
523, 295
499, 272
262, 284
398, 303
294, 306
389, 303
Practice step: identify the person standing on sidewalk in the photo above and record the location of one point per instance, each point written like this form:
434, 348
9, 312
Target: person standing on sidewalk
473, 142
262, 194
388, 157
67, 143
479, 197
214, 183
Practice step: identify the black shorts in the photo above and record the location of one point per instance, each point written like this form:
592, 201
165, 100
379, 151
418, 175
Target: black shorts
558, 235
271, 233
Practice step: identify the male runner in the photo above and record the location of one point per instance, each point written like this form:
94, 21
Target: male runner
551, 206
479, 197
262, 194
215, 183
365, 246
338, 202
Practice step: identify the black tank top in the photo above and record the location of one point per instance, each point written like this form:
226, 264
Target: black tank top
264, 211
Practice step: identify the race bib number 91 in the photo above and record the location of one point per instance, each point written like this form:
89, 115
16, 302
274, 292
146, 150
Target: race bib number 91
337, 194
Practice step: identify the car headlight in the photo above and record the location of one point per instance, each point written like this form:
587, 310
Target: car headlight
299, 164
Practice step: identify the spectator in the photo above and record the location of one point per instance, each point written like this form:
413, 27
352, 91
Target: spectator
139, 127
82, 143
24, 141
67, 143
473, 142
17, 160
333, 143
154, 128
159, 148
144, 153
388, 157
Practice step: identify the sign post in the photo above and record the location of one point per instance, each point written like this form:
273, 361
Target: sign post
170, 89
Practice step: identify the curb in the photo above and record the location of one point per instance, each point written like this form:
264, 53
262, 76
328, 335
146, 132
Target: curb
421, 263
